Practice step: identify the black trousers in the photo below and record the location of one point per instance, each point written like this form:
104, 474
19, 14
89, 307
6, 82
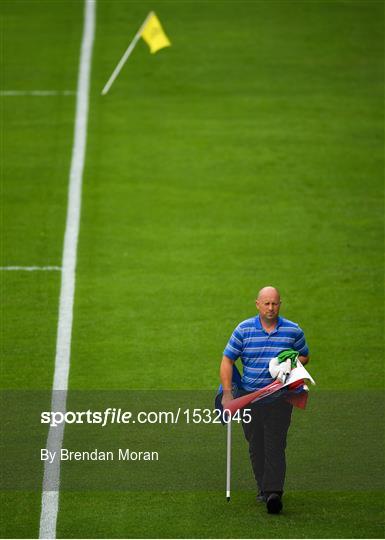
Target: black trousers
266, 435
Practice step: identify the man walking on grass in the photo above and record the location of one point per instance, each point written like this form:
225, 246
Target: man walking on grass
257, 341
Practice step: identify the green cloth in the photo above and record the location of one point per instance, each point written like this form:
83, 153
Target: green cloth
288, 354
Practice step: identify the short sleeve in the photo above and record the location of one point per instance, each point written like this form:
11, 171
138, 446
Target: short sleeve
300, 344
234, 346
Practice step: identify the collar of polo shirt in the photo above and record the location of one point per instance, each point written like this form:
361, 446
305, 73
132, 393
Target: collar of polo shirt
258, 324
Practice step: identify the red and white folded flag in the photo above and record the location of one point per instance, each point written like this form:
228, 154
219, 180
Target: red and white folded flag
295, 390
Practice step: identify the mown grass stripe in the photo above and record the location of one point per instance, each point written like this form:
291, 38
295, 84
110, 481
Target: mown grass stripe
36, 93
30, 268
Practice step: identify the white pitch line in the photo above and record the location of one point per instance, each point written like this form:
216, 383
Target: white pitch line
37, 93
51, 481
31, 268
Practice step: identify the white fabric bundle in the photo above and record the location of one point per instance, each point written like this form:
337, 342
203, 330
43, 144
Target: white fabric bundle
280, 371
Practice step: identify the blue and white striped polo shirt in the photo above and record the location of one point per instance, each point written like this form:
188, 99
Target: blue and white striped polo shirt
256, 348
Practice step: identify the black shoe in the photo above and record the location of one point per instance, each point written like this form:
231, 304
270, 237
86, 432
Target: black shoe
274, 503
261, 497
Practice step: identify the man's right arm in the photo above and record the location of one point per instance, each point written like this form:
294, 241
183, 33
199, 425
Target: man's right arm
226, 374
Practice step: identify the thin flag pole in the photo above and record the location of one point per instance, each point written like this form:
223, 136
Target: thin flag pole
123, 60
228, 461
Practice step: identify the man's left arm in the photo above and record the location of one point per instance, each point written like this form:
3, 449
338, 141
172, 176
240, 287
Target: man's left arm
304, 359
300, 345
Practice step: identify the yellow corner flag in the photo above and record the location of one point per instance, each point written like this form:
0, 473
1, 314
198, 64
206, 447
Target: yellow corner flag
153, 34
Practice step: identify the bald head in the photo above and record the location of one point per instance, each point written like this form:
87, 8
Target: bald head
268, 303
269, 291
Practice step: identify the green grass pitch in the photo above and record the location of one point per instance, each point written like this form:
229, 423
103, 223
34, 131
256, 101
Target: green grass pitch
248, 153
